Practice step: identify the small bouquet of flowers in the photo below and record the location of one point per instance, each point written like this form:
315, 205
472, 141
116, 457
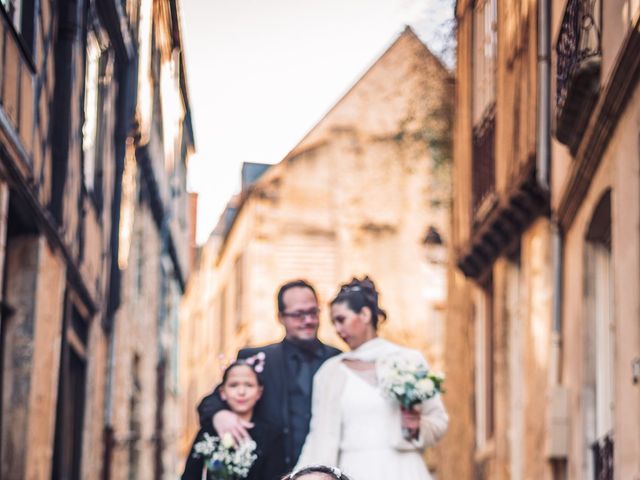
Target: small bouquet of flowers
223, 459
409, 382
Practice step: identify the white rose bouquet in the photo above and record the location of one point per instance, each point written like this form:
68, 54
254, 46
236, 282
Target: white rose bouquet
409, 382
223, 459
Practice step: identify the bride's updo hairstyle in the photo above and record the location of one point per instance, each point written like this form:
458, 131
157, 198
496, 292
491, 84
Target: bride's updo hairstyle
358, 294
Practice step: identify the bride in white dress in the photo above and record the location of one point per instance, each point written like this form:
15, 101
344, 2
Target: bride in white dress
354, 426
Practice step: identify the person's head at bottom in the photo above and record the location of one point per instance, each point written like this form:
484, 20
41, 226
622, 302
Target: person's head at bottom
316, 472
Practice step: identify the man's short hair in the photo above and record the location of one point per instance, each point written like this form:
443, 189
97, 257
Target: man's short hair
293, 284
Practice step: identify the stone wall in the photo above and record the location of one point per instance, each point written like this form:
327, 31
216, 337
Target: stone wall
59, 238
543, 360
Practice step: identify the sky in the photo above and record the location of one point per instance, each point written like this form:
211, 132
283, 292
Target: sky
262, 73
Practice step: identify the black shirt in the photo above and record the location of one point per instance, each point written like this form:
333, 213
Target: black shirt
302, 360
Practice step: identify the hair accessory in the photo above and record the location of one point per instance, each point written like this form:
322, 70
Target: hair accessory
223, 362
350, 288
336, 471
256, 361
316, 468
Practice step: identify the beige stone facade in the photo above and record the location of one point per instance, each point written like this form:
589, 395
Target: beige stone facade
74, 174
596, 197
366, 191
542, 339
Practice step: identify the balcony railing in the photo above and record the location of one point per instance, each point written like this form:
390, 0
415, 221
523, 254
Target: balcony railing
483, 166
578, 69
602, 451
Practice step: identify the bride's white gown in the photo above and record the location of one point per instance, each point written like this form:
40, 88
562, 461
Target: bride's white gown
365, 451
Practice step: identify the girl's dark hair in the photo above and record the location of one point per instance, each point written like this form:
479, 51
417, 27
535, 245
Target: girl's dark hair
332, 472
358, 294
239, 363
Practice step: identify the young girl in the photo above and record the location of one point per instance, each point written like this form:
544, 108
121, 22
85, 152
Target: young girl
241, 388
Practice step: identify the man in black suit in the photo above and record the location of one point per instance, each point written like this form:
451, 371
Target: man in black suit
288, 374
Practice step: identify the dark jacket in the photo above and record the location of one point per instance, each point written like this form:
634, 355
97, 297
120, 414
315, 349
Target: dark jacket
269, 449
273, 405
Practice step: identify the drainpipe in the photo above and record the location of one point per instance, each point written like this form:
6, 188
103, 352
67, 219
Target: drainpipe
557, 427
555, 375
69, 28
544, 96
543, 174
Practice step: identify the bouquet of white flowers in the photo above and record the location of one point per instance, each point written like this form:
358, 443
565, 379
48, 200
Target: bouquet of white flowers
223, 459
409, 381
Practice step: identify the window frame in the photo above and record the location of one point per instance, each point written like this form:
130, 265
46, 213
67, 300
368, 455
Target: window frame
71, 408
599, 334
102, 78
484, 54
23, 30
484, 321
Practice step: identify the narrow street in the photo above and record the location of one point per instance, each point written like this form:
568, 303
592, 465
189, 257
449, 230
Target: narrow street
393, 239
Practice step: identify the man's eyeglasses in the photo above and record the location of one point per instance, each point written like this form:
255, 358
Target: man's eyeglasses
312, 313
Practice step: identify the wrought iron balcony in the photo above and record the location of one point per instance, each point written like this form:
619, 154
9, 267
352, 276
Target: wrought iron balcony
483, 167
578, 69
602, 451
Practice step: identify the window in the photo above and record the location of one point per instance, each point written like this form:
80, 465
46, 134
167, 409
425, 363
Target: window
514, 302
172, 109
71, 394
127, 233
145, 85
98, 72
484, 371
22, 16
14, 9
91, 99
600, 345
485, 44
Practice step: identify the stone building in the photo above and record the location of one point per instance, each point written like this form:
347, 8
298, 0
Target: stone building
596, 200
542, 339
154, 256
366, 191
74, 169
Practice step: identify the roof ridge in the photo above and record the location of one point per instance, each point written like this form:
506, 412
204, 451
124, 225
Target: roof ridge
406, 31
